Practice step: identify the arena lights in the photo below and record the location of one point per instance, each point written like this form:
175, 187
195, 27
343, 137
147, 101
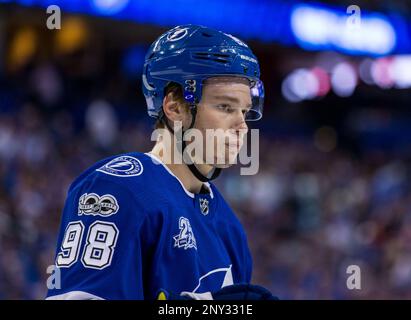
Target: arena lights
323, 81
380, 73
400, 71
364, 71
319, 28
343, 79
343, 76
387, 72
304, 84
109, 7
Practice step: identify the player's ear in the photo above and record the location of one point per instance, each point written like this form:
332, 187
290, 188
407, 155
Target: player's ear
173, 109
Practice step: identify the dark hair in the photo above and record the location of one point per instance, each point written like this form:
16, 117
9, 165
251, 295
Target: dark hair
177, 91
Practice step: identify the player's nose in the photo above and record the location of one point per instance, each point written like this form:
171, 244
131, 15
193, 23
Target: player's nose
240, 123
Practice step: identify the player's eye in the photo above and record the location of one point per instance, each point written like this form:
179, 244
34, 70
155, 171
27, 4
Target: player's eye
225, 108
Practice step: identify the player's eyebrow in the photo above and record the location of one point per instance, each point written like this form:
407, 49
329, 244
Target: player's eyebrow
224, 97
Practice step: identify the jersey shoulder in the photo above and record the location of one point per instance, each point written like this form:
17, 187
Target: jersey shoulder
134, 171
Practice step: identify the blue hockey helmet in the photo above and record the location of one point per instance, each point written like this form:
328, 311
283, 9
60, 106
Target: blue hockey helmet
190, 54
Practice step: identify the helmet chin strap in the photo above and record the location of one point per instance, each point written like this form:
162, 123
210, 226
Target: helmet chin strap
215, 172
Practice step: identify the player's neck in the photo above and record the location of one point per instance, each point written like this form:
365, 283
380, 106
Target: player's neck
181, 171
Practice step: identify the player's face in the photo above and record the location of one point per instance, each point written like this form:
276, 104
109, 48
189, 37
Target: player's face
223, 107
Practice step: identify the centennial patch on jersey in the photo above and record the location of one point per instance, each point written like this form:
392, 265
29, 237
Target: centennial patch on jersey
185, 239
204, 206
124, 166
93, 204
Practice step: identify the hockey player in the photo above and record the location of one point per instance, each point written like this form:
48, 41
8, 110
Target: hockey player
142, 226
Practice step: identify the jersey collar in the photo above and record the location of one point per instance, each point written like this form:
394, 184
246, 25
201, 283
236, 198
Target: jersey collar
190, 194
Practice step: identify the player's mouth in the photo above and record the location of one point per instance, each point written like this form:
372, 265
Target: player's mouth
232, 145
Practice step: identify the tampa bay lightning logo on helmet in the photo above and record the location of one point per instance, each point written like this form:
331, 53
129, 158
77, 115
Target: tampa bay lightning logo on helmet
177, 35
124, 166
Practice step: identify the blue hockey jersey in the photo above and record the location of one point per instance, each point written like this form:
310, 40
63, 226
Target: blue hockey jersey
129, 228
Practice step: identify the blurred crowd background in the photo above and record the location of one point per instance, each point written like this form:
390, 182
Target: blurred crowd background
333, 187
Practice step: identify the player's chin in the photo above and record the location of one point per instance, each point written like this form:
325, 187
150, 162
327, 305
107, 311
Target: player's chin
223, 165
228, 160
